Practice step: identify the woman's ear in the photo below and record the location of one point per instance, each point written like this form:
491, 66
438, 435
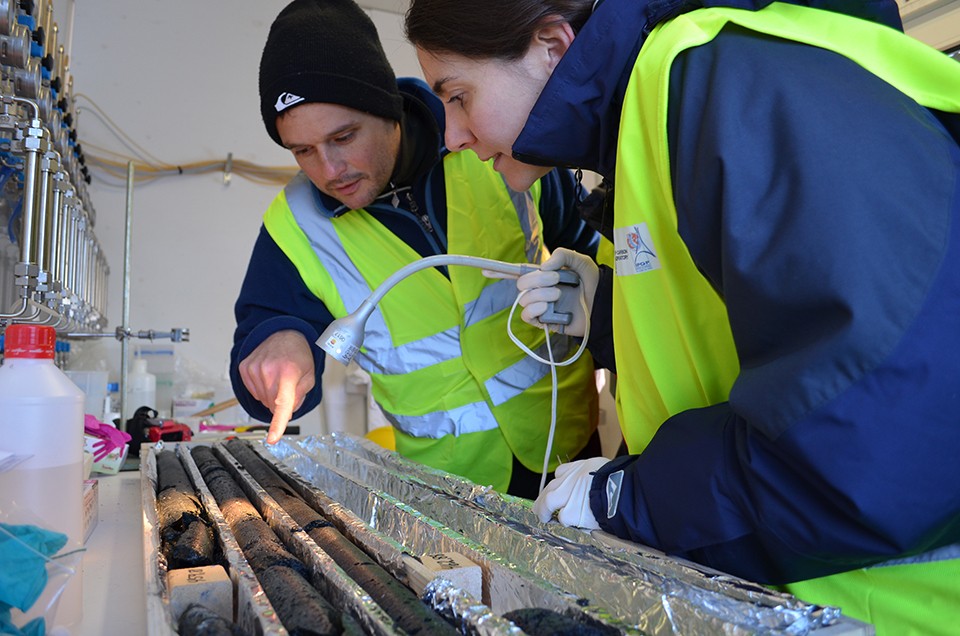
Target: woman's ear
551, 40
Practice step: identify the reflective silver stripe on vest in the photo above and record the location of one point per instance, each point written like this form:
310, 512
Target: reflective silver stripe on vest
353, 290
526, 372
492, 300
413, 356
470, 418
945, 553
304, 205
529, 223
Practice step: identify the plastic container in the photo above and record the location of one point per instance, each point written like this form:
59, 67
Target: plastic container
162, 362
111, 404
41, 418
141, 389
94, 387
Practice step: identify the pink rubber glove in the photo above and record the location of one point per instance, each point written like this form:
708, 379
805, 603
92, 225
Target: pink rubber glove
110, 437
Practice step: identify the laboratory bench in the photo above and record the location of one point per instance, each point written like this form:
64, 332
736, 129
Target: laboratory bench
113, 565
524, 563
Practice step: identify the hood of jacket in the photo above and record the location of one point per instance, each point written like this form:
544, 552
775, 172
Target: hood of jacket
576, 120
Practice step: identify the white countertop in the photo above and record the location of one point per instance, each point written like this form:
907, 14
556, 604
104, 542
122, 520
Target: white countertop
114, 597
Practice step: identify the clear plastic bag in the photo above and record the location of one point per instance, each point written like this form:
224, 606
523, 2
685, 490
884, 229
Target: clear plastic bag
35, 566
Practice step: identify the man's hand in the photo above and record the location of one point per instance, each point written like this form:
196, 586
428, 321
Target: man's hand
569, 493
280, 372
542, 288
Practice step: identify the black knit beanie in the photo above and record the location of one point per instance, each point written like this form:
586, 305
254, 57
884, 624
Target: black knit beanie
325, 51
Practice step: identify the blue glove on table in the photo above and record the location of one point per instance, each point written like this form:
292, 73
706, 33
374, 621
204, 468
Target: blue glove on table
24, 552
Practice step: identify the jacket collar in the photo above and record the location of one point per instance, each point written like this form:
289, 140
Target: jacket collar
576, 120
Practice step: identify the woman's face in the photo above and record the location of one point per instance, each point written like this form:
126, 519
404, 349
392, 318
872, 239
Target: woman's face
486, 103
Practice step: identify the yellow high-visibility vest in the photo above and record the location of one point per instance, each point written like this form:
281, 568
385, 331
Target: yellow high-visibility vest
460, 395
672, 337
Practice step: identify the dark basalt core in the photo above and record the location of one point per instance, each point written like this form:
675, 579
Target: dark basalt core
186, 539
410, 613
284, 579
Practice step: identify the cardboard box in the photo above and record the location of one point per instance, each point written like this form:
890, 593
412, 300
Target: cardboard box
112, 463
91, 507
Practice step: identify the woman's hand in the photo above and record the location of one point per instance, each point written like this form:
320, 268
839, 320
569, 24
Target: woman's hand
542, 287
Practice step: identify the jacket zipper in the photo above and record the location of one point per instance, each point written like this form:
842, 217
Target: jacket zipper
422, 216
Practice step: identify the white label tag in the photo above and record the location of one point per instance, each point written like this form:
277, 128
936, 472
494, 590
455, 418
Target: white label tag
634, 252
614, 482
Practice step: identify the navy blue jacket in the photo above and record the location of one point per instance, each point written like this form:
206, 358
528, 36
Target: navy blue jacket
273, 296
822, 204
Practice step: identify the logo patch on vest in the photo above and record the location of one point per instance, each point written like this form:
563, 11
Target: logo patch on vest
286, 100
633, 250
614, 484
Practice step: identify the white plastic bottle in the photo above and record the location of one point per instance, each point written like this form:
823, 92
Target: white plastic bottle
41, 417
141, 388
111, 403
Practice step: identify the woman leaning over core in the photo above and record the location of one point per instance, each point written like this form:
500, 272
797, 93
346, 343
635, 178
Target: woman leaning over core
785, 300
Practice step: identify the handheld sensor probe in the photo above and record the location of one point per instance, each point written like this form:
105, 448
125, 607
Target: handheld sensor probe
343, 338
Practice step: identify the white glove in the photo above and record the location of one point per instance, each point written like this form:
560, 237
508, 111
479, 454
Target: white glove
543, 288
569, 492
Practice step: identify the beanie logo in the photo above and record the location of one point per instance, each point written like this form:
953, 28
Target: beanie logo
286, 100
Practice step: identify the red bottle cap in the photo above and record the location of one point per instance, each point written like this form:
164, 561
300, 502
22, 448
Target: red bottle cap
29, 341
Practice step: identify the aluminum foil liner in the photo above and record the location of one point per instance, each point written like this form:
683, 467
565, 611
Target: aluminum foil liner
466, 612
460, 609
595, 578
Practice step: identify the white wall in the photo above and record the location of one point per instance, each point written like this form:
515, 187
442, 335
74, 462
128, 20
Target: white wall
180, 78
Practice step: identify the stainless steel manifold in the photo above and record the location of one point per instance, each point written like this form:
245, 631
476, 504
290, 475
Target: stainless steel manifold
398, 511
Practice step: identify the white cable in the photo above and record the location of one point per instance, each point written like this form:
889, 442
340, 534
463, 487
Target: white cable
553, 410
553, 370
343, 337
533, 354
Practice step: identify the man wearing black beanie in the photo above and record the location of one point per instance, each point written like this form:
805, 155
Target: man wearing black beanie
377, 191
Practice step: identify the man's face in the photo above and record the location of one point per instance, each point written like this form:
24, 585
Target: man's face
346, 153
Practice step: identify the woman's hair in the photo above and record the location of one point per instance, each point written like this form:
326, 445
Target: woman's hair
487, 29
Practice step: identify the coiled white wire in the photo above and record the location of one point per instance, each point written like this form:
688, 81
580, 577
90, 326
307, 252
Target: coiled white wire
553, 369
